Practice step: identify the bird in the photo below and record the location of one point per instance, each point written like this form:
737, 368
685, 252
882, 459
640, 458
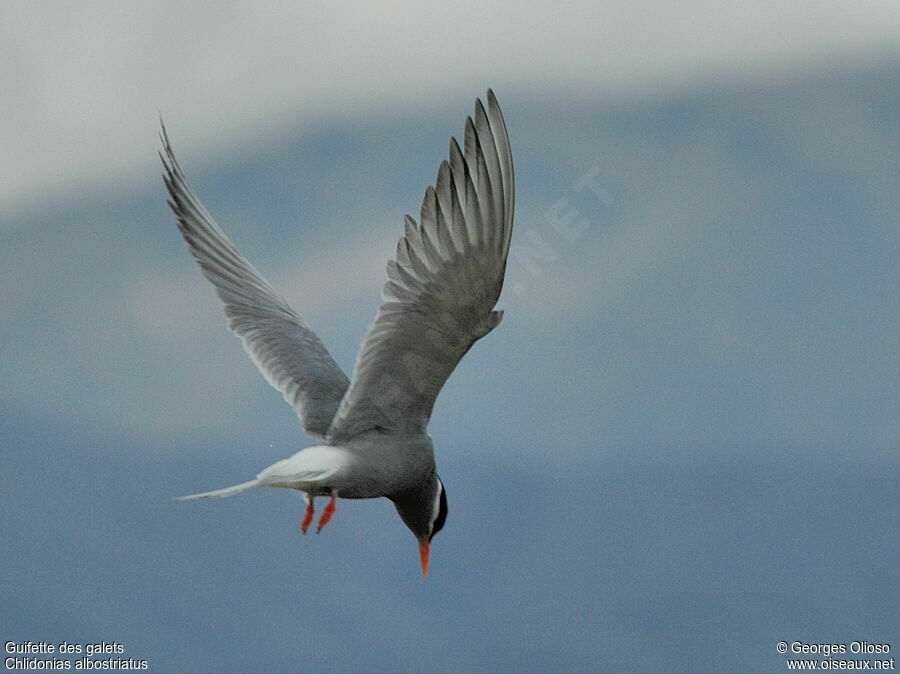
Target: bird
442, 286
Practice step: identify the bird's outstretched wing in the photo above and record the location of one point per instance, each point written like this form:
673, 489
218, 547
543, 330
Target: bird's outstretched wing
441, 288
288, 353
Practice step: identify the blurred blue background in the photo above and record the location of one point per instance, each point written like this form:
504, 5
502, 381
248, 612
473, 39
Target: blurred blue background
680, 447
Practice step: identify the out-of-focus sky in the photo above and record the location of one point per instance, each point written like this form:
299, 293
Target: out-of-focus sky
679, 448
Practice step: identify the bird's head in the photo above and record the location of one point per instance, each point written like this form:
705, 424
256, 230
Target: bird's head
424, 511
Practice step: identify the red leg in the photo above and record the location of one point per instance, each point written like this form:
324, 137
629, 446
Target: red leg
328, 512
307, 518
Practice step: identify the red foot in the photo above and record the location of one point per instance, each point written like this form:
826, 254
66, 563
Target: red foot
328, 512
307, 518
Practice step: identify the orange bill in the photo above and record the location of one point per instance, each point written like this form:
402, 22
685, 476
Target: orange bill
424, 552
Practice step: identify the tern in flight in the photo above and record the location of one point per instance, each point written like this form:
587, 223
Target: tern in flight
437, 302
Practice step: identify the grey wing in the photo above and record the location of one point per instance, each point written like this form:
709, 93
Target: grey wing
287, 352
441, 288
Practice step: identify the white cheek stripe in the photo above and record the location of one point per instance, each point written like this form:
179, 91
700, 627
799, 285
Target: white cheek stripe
436, 509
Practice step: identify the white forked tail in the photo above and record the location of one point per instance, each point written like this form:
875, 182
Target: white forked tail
227, 491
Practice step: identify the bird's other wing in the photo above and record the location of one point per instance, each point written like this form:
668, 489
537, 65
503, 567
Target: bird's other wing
441, 288
287, 352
